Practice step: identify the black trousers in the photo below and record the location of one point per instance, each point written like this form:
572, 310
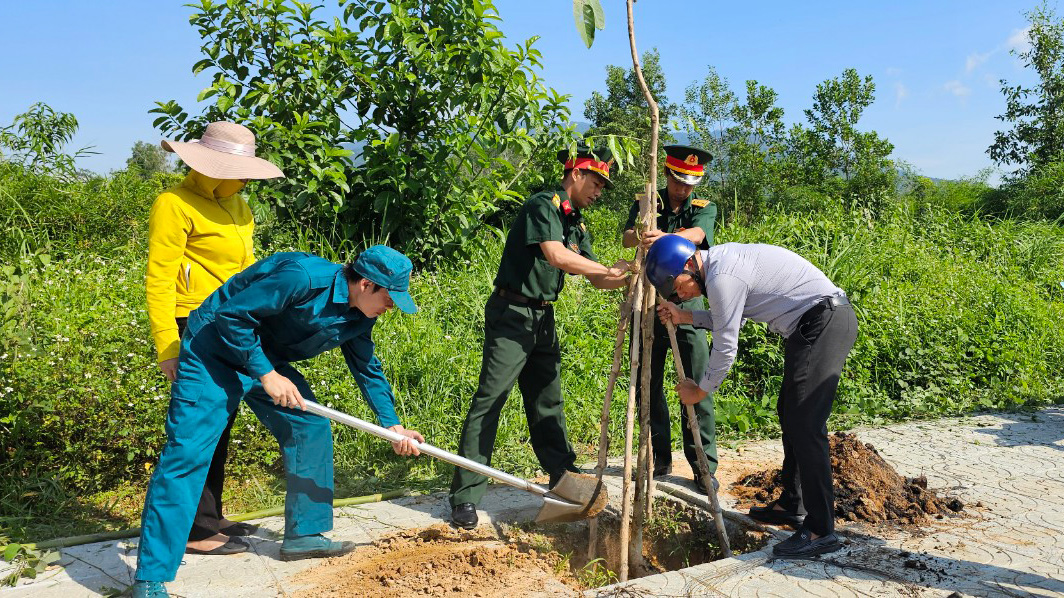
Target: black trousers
812, 364
209, 512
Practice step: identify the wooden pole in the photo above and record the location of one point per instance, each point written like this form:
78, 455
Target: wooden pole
626, 484
624, 316
647, 216
703, 461
643, 473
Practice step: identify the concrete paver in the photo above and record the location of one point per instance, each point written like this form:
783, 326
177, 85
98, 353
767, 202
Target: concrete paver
1012, 545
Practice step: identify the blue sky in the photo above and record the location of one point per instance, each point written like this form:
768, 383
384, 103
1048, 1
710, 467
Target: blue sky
936, 63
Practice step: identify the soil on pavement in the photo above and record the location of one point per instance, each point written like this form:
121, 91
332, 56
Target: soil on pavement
439, 561
867, 488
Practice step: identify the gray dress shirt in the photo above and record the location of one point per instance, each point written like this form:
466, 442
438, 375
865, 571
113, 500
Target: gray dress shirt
763, 283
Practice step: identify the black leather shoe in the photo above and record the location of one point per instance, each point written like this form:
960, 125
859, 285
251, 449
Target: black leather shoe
801, 545
701, 488
773, 516
464, 515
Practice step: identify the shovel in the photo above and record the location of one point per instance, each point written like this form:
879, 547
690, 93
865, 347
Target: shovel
576, 496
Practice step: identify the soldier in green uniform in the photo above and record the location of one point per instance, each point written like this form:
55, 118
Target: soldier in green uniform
547, 240
681, 212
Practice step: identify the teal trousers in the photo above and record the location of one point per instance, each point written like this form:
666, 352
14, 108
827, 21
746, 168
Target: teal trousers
207, 390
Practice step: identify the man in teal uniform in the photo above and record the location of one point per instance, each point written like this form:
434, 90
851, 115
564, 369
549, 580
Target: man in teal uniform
679, 211
547, 240
239, 345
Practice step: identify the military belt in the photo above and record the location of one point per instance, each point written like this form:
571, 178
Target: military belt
518, 298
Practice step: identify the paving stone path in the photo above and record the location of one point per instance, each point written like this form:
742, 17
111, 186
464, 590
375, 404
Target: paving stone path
1013, 464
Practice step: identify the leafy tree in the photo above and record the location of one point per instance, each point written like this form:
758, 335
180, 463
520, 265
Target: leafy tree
407, 122
1036, 113
37, 139
832, 154
709, 112
147, 159
746, 139
758, 152
623, 113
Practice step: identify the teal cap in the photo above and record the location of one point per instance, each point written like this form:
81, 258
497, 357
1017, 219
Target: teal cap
391, 270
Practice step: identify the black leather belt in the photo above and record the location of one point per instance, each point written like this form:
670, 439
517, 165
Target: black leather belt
518, 298
835, 301
832, 303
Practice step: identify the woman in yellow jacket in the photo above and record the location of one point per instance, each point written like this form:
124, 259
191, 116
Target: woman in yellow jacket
199, 234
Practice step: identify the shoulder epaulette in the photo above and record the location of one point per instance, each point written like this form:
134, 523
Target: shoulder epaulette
699, 203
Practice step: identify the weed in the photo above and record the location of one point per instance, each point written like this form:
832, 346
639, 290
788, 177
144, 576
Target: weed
596, 574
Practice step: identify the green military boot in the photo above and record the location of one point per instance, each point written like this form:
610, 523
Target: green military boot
314, 546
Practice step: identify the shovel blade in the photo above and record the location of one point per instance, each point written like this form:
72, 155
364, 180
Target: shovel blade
581, 495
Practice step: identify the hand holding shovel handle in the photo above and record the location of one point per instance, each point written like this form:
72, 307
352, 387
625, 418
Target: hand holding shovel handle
703, 462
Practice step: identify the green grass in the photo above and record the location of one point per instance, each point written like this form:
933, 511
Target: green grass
956, 314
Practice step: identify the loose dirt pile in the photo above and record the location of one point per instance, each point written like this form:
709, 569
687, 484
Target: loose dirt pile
439, 561
867, 488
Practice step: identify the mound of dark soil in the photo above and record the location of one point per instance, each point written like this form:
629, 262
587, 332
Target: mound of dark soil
867, 488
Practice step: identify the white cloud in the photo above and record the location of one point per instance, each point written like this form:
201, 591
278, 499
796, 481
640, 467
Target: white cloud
900, 93
974, 60
893, 71
1019, 40
957, 88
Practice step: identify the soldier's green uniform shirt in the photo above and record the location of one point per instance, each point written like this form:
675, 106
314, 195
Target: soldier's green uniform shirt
521, 344
694, 212
523, 268
694, 347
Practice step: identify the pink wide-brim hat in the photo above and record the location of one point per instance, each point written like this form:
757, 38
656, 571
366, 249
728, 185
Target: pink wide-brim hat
225, 151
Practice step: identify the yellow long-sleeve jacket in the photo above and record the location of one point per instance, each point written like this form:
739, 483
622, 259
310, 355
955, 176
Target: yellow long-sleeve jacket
199, 234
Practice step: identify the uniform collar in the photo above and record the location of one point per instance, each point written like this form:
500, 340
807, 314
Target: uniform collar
663, 200
340, 292
563, 197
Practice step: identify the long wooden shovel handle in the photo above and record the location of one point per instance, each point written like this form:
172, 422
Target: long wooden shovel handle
428, 449
703, 461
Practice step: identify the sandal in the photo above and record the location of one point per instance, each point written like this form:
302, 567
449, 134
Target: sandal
232, 546
240, 529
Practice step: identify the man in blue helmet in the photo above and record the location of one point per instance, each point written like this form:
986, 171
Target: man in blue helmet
770, 284
239, 345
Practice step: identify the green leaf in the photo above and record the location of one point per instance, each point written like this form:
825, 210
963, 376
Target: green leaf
11, 551
584, 16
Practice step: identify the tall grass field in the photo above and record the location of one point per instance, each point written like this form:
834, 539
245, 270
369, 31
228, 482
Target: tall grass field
957, 313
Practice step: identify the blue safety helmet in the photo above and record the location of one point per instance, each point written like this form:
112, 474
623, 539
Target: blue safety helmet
666, 260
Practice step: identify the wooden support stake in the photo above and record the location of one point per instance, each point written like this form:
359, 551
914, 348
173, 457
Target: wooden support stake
623, 317
643, 472
703, 461
626, 485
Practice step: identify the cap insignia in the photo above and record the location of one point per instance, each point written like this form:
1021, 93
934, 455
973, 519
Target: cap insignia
691, 160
